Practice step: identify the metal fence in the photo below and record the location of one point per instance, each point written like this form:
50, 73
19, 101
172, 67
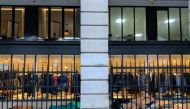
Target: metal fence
39, 90
150, 87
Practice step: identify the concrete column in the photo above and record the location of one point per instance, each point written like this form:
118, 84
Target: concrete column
94, 54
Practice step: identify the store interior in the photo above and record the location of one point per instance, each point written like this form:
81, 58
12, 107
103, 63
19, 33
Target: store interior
150, 81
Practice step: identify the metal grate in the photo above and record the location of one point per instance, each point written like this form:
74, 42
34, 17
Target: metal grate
50, 89
146, 86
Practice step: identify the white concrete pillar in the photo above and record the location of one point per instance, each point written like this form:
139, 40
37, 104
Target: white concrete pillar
94, 54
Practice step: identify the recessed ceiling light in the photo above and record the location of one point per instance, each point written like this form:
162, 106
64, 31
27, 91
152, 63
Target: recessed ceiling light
120, 20
170, 21
138, 35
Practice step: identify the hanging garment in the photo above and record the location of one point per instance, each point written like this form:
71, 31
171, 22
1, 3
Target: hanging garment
62, 83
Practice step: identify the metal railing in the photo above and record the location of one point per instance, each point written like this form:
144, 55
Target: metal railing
39, 90
150, 87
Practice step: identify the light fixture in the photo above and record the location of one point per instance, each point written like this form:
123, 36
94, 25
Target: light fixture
169, 21
120, 20
138, 35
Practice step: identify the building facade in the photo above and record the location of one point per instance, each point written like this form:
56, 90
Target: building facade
118, 54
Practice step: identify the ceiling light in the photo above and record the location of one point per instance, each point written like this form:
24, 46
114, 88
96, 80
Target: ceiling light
138, 35
120, 20
170, 21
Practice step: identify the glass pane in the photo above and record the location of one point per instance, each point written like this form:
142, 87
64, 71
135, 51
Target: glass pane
55, 63
77, 23
140, 24
162, 23
30, 63
18, 63
6, 22
68, 63
5, 62
56, 23
152, 61
128, 24
42, 63
129, 61
69, 23
163, 60
43, 23
115, 23
141, 61
174, 22
116, 61
77, 63
164, 64
176, 60
185, 23
19, 23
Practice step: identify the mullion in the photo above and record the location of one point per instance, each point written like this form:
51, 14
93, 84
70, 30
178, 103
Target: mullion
168, 16
121, 23
74, 32
180, 20
134, 23
63, 22
13, 23
49, 23
0, 20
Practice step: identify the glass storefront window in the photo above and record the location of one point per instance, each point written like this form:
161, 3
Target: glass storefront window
30, 64
39, 77
43, 23
18, 63
5, 62
42, 63
6, 22
68, 63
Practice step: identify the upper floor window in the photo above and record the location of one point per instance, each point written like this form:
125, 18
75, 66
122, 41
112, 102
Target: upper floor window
149, 23
127, 24
39, 23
